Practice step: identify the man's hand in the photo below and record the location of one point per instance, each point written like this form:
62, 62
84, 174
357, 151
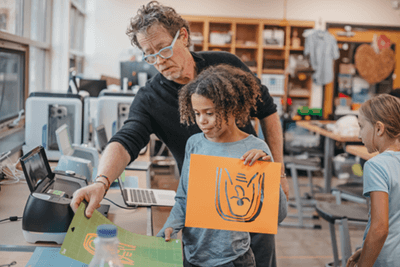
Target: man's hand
168, 231
254, 154
285, 186
353, 260
93, 194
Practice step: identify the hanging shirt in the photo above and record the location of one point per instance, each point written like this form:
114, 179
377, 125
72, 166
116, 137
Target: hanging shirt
322, 48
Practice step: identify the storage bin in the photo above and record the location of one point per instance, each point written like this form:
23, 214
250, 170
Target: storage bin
342, 166
273, 64
275, 83
278, 102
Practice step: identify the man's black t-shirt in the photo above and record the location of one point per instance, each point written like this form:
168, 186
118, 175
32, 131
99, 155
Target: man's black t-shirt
155, 109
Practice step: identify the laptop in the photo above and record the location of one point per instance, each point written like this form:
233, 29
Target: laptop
102, 140
64, 141
140, 197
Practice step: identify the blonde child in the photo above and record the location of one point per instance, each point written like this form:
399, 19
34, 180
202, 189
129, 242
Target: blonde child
379, 121
218, 101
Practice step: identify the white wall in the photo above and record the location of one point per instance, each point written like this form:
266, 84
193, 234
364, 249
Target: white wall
107, 20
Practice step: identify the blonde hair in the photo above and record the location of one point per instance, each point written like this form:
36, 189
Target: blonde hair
386, 109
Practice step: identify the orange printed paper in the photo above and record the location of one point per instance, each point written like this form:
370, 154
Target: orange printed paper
225, 194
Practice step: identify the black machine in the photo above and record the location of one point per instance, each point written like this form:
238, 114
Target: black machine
93, 87
47, 214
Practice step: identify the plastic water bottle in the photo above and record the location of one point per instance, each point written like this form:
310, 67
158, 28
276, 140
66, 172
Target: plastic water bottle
106, 245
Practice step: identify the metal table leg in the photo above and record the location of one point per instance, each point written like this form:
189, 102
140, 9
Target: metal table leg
149, 215
334, 245
328, 154
149, 222
345, 240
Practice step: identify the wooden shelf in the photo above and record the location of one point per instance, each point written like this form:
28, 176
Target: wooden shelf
273, 47
301, 48
220, 46
274, 57
251, 30
273, 71
246, 46
253, 69
299, 96
279, 95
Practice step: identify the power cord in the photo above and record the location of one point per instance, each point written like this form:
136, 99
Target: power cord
11, 174
119, 206
16, 121
12, 219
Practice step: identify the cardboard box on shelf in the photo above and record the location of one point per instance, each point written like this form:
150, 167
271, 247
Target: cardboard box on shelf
347, 69
343, 101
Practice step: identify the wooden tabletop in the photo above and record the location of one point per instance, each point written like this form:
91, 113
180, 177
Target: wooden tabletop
314, 127
360, 151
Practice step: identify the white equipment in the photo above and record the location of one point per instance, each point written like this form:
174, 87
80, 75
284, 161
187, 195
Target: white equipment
46, 112
73, 154
75, 165
112, 110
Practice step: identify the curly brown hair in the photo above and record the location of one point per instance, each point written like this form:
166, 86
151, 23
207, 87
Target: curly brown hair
155, 14
231, 89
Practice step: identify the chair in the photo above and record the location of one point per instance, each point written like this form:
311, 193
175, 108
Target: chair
302, 204
352, 191
341, 215
163, 163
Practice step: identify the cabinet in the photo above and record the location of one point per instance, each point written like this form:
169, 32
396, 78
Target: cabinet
264, 45
360, 34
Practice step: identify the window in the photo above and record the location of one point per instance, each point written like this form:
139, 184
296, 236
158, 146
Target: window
36, 69
24, 56
11, 83
25, 22
40, 40
11, 16
76, 29
38, 20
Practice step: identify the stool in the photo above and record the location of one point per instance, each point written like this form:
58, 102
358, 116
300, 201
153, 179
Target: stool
352, 191
342, 215
302, 204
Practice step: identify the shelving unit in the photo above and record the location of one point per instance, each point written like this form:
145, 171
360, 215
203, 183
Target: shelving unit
246, 38
363, 34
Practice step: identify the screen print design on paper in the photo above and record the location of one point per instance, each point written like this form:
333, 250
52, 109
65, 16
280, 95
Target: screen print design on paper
238, 197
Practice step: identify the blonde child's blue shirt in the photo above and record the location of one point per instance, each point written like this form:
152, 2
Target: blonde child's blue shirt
208, 247
382, 173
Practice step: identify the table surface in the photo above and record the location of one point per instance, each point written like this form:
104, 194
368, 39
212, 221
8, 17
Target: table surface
329, 146
13, 198
314, 127
360, 151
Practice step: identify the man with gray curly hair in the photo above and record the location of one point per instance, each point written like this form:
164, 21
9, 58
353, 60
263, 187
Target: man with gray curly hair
164, 38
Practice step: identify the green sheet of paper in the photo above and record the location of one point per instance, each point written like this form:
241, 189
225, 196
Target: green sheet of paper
134, 250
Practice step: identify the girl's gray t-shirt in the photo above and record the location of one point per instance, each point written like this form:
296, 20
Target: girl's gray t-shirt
208, 247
